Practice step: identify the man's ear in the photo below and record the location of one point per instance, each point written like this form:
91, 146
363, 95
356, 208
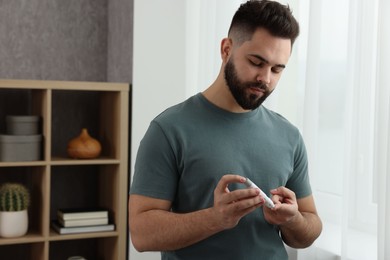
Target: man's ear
226, 48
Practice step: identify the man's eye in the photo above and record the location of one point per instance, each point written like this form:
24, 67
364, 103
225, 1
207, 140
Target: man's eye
277, 70
257, 63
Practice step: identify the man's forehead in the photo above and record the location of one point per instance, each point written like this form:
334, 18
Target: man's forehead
264, 45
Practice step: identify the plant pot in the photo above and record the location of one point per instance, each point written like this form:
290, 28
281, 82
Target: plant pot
13, 223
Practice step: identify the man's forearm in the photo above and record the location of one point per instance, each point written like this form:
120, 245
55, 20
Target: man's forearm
160, 230
302, 231
154, 227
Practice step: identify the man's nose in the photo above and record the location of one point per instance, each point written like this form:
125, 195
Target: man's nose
264, 75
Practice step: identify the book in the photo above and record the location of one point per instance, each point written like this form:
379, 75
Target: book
83, 222
83, 229
82, 213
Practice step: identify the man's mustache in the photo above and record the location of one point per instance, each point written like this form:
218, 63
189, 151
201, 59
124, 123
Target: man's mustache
259, 85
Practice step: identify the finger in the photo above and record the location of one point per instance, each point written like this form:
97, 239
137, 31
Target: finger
243, 194
277, 199
245, 205
228, 179
248, 210
283, 192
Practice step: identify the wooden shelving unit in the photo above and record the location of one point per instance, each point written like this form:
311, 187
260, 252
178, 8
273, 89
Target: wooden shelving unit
57, 181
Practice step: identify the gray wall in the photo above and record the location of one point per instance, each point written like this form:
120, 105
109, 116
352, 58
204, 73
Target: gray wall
72, 40
120, 40
86, 40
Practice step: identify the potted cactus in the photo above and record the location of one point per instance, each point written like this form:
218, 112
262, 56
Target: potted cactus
14, 202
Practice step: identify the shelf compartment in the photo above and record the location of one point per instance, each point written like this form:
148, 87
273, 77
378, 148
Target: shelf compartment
27, 251
91, 248
29, 102
94, 110
92, 186
35, 179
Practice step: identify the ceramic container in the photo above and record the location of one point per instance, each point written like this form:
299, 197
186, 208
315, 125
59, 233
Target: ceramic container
20, 148
13, 223
22, 125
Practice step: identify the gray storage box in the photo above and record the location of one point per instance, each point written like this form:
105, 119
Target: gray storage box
20, 148
22, 125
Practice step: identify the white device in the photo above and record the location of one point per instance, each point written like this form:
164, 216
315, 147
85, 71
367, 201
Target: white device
268, 202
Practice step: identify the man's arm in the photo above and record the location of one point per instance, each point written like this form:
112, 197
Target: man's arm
154, 227
298, 220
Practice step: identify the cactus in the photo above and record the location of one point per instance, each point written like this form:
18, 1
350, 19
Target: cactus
14, 197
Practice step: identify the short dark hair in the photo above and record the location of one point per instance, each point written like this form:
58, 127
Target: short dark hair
276, 18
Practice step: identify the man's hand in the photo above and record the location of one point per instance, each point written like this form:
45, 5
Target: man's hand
297, 219
286, 207
230, 206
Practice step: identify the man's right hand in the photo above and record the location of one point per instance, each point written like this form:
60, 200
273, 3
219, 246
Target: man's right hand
230, 206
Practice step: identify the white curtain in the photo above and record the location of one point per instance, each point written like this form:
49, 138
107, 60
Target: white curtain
383, 131
336, 89
346, 126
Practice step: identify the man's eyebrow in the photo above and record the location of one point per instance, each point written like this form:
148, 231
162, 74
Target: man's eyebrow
266, 61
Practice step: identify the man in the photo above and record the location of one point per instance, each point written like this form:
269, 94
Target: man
187, 197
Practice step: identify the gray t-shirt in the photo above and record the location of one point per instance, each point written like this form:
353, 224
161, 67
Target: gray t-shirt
190, 146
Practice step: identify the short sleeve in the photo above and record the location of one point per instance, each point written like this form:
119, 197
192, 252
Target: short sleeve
299, 180
155, 172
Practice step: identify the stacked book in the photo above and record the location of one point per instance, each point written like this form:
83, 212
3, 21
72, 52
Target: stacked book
70, 221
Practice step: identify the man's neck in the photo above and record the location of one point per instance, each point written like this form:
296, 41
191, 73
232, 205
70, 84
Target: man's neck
219, 94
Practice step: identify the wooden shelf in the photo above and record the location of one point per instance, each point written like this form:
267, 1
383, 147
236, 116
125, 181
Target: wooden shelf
57, 237
57, 181
67, 161
23, 164
30, 237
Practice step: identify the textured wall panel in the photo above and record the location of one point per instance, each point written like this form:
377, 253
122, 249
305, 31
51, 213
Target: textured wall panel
53, 39
120, 40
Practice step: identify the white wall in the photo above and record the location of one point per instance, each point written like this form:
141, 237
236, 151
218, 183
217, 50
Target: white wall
158, 68
158, 71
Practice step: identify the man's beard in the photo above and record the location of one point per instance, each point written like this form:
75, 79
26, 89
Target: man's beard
238, 89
